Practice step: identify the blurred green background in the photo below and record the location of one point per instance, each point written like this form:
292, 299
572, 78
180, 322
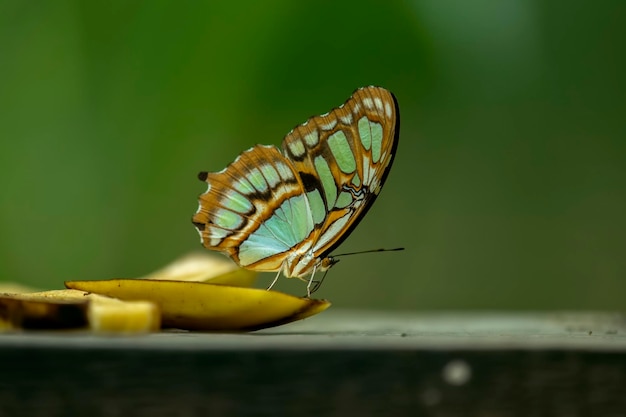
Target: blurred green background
508, 191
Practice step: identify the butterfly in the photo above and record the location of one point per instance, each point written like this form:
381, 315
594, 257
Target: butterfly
286, 211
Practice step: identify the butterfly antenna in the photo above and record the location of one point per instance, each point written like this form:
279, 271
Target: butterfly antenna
316, 284
368, 251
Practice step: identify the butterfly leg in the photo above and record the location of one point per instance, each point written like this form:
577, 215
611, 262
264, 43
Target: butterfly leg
274, 282
318, 283
308, 287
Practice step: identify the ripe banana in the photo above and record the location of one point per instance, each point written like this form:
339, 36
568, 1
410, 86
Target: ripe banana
68, 309
205, 267
205, 306
196, 292
35, 312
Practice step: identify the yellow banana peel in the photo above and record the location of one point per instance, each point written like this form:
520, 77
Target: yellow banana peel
205, 306
28, 311
71, 309
196, 292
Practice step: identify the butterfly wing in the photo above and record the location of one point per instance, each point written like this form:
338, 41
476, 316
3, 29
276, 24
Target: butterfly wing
254, 210
271, 212
343, 159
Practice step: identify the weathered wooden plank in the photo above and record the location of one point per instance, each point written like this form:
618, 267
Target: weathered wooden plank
340, 363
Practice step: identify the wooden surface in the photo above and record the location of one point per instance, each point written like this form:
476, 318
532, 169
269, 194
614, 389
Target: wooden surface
339, 363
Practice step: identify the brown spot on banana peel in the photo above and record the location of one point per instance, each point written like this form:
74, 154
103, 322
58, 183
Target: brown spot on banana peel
22, 311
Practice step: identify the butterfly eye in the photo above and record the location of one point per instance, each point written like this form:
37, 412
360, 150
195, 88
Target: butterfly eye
328, 262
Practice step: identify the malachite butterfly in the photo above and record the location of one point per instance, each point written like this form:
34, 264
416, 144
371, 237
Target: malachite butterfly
286, 211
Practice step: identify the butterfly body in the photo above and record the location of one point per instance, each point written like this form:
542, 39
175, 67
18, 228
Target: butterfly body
286, 211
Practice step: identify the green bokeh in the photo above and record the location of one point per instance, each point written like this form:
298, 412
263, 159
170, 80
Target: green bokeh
508, 191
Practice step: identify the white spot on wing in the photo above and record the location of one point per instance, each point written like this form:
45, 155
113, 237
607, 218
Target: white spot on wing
347, 119
330, 125
379, 103
368, 103
388, 110
297, 148
375, 185
215, 235
284, 171
357, 108
311, 138
368, 172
